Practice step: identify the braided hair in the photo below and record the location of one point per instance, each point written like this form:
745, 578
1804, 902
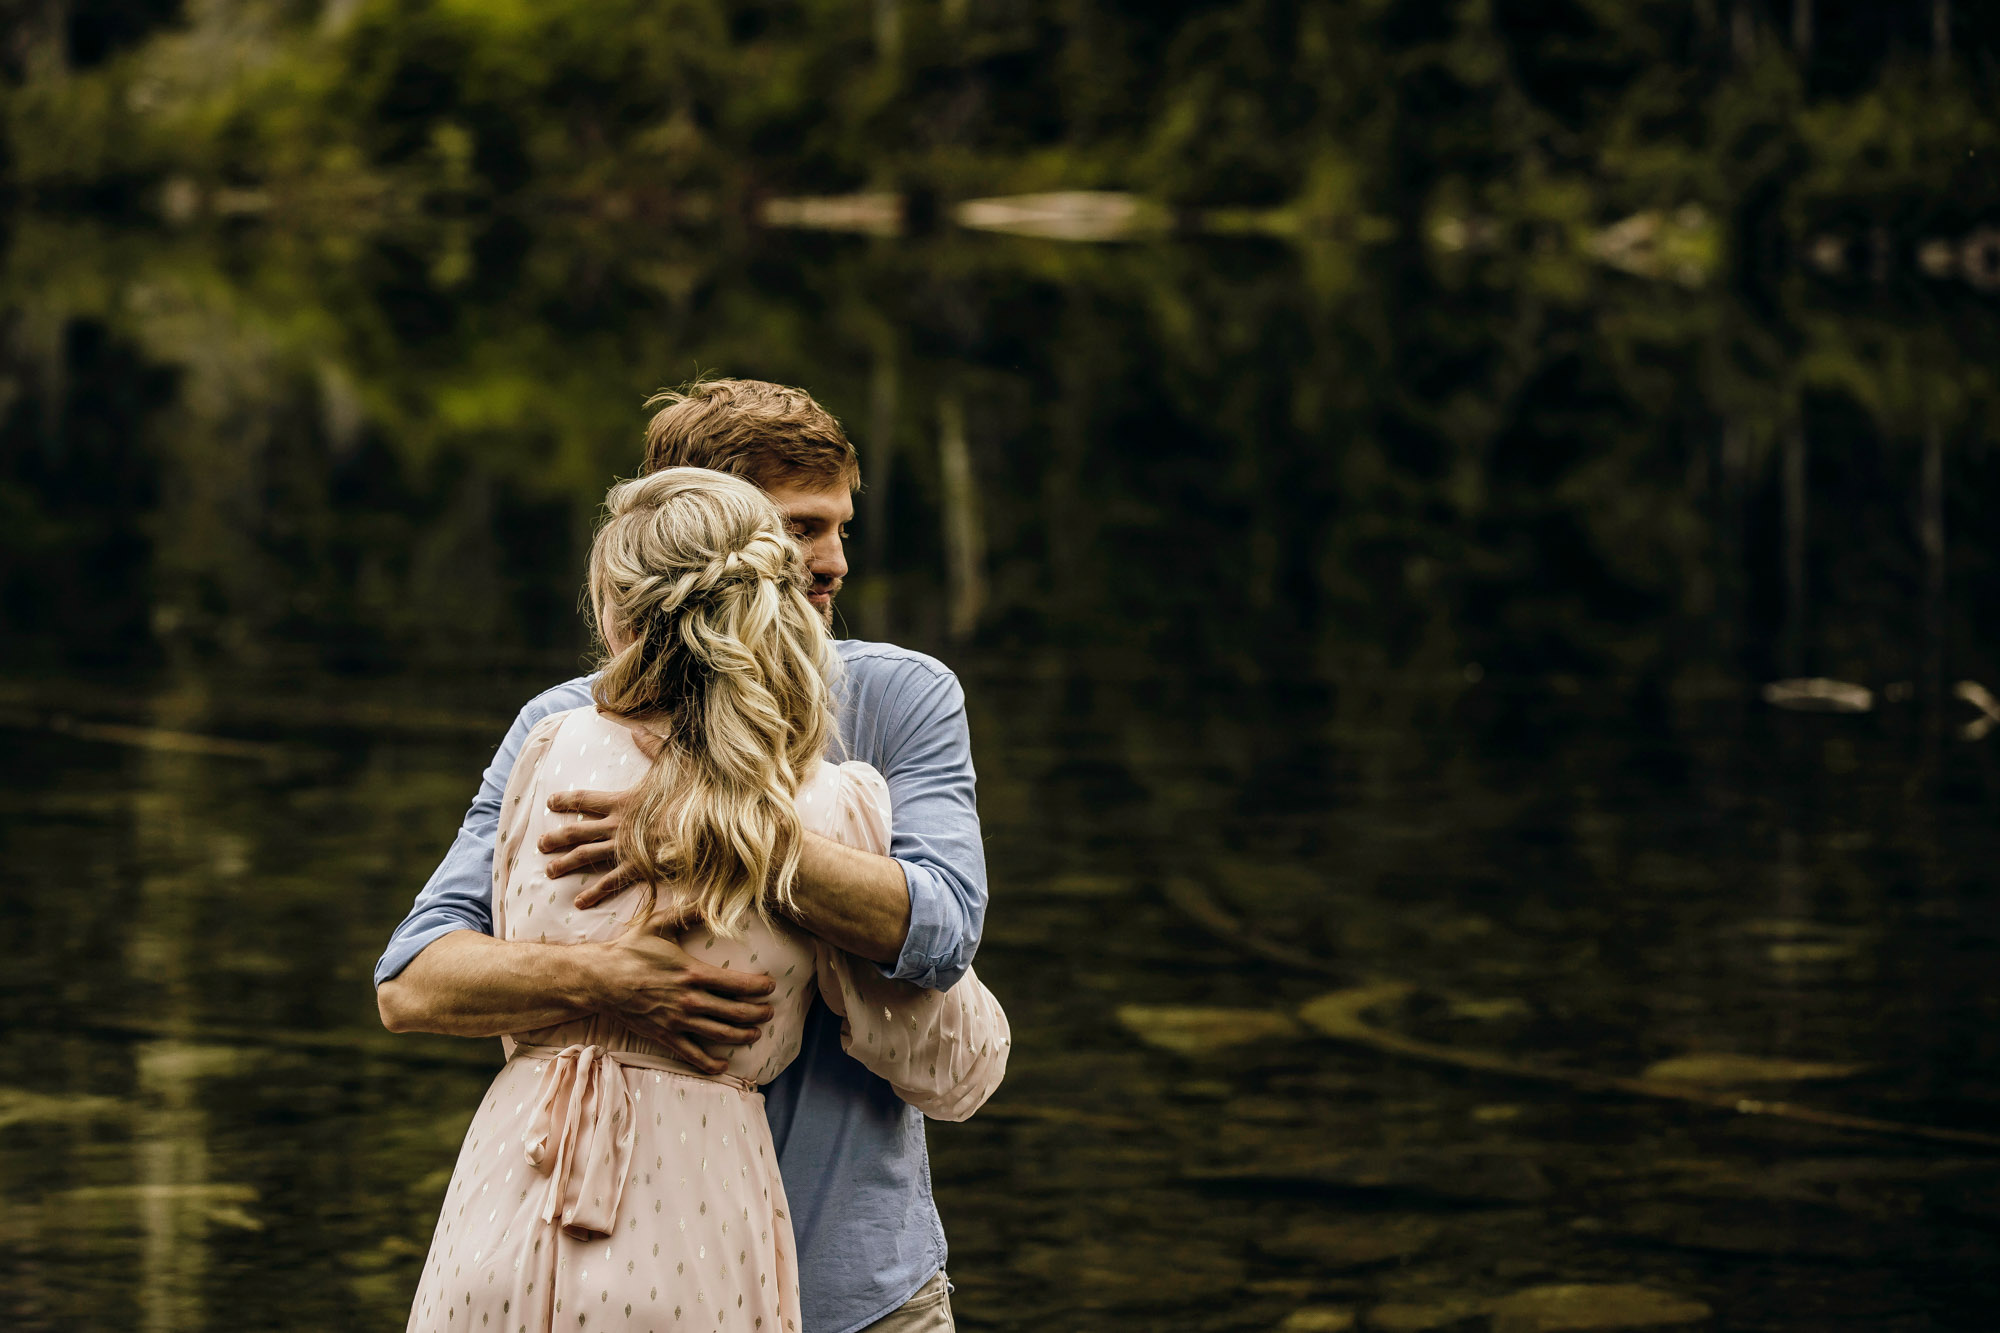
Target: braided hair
714, 654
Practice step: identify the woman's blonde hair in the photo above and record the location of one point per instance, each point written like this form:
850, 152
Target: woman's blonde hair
729, 667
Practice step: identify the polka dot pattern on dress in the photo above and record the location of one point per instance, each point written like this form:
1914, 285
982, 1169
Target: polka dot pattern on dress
507, 1262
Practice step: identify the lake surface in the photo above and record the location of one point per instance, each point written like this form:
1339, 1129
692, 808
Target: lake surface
1329, 617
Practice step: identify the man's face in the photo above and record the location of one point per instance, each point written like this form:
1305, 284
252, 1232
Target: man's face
818, 517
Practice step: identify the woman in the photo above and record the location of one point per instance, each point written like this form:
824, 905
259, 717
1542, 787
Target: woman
604, 1184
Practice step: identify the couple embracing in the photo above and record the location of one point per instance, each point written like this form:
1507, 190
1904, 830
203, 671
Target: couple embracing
720, 901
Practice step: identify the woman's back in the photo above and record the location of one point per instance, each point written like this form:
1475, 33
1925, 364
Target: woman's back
584, 749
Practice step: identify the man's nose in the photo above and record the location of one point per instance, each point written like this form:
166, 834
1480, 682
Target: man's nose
829, 557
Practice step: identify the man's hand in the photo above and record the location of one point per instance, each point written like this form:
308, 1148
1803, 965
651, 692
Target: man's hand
660, 991
854, 900
589, 844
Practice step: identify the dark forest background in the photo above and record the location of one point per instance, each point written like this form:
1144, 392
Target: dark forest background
1808, 113
316, 309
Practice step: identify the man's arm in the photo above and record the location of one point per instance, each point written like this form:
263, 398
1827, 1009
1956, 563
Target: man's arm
921, 908
910, 723
467, 984
854, 900
459, 894
443, 971
471, 985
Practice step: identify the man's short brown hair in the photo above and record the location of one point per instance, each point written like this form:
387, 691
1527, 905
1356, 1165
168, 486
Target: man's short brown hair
768, 434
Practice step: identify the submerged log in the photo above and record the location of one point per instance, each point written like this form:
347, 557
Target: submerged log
1342, 1016
1200, 906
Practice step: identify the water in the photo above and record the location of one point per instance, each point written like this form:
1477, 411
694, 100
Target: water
1409, 611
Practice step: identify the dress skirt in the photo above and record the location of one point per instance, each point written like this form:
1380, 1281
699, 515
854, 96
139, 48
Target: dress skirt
604, 1189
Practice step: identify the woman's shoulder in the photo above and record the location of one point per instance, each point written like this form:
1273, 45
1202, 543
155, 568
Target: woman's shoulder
583, 734
848, 802
841, 776
546, 728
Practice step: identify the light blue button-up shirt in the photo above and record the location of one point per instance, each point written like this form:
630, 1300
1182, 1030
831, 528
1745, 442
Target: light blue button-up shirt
852, 1154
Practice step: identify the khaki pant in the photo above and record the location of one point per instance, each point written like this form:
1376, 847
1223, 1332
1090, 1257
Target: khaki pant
929, 1311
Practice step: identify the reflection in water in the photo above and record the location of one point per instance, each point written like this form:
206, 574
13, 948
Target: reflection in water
868, 598
964, 540
175, 848
171, 1159
171, 1166
1415, 616
1792, 471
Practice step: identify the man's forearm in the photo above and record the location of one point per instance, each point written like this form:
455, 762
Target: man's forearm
466, 984
853, 900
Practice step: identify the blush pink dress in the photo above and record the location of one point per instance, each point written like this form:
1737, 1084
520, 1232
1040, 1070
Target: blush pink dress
603, 1185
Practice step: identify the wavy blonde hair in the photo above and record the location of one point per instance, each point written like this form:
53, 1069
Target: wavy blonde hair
728, 667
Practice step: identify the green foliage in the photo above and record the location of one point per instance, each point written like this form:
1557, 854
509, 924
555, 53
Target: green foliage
1286, 116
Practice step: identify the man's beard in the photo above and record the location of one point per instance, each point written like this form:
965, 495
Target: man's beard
831, 590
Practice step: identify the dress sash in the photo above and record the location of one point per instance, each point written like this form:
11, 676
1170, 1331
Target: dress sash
580, 1135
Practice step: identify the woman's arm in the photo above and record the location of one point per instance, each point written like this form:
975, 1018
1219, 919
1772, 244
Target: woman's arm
944, 1052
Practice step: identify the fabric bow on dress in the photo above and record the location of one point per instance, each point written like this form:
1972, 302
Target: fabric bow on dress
580, 1137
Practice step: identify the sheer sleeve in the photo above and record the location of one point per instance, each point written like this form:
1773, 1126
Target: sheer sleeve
944, 1052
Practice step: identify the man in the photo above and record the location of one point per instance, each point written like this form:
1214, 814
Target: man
852, 1156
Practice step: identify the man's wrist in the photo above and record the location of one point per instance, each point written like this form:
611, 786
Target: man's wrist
577, 975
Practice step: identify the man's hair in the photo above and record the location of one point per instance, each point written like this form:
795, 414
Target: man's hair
768, 434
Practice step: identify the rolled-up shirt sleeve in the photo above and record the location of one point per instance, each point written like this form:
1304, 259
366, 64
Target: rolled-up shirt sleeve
459, 895
926, 758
